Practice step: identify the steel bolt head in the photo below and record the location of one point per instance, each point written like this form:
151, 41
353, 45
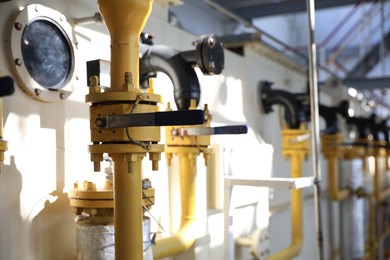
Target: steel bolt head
18, 62
18, 26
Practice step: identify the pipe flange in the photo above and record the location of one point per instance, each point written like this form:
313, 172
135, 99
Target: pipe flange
124, 148
331, 145
289, 147
123, 96
380, 149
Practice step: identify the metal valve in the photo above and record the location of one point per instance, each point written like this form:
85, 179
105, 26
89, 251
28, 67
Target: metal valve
169, 118
221, 130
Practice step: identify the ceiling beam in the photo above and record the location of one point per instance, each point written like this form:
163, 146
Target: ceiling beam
284, 7
371, 83
370, 60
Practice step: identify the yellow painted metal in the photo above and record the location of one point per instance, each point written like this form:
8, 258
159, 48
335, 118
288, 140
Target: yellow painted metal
187, 148
332, 150
371, 244
128, 214
379, 193
296, 152
125, 20
335, 193
185, 237
98, 96
150, 134
3, 144
91, 197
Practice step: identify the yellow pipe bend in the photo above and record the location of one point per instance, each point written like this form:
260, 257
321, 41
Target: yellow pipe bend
185, 237
177, 243
335, 192
294, 249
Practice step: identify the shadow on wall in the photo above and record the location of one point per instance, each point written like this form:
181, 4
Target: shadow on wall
51, 236
11, 223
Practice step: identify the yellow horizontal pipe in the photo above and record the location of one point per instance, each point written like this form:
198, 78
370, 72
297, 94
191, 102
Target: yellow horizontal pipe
296, 213
185, 237
334, 187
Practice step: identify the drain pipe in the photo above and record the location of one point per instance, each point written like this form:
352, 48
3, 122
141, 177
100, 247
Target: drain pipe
188, 143
188, 154
380, 153
296, 152
332, 149
185, 237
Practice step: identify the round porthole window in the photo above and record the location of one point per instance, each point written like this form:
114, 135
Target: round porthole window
41, 53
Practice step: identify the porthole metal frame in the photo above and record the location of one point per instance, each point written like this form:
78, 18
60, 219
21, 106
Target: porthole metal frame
17, 25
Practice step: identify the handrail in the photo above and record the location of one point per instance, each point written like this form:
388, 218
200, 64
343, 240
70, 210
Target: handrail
335, 30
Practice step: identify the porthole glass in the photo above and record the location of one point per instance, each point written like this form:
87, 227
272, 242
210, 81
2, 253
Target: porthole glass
46, 54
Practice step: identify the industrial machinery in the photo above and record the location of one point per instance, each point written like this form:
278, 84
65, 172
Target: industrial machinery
116, 117
295, 147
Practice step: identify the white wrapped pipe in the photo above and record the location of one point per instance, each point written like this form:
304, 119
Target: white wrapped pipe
97, 241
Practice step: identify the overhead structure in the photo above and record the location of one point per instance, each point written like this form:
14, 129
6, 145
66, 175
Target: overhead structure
250, 9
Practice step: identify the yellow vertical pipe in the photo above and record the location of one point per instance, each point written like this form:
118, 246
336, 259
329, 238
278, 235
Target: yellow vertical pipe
187, 186
296, 212
185, 237
379, 194
125, 20
377, 181
128, 215
334, 187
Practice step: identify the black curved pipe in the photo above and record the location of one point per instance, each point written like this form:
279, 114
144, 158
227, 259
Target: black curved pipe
294, 113
379, 129
158, 58
329, 114
362, 125
385, 130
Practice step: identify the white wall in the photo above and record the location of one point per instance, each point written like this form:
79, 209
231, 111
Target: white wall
48, 148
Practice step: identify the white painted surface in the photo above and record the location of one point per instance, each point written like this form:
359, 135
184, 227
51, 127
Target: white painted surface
48, 151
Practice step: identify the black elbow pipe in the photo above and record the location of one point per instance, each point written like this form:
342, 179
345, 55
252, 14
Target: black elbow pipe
385, 130
158, 58
379, 129
330, 116
294, 113
362, 125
